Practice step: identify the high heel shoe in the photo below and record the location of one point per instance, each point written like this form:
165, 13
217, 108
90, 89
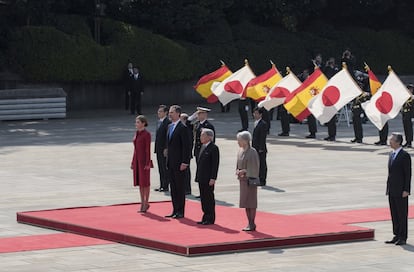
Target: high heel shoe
146, 208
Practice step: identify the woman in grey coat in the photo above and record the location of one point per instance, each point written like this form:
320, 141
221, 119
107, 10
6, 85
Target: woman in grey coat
247, 166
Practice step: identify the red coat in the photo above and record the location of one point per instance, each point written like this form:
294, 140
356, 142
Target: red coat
141, 161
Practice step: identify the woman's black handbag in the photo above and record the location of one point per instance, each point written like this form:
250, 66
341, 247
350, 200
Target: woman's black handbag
253, 181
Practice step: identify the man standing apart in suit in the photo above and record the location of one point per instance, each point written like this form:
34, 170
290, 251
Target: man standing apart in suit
137, 90
178, 159
206, 175
259, 142
161, 146
398, 189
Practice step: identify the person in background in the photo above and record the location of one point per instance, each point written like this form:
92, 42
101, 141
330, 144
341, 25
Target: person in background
127, 80
206, 175
383, 134
137, 90
247, 166
398, 189
244, 116
407, 115
330, 70
284, 121
161, 146
259, 142
141, 160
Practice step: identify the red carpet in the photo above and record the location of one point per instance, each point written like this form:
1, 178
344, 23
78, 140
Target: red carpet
47, 241
121, 223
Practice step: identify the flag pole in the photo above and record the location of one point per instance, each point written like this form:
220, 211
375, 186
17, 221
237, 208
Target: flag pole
272, 63
222, 63
389, 69
344, 65
288, 70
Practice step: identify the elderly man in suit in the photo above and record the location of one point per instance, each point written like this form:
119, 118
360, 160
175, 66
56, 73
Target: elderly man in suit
161, 146
259, 142
206, 175
398, 189
178, 159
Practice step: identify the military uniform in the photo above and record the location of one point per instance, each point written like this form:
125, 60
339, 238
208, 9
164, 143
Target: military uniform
406, 111
357, 113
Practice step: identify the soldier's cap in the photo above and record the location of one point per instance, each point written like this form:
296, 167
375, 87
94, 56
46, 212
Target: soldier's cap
203, 109
410, 86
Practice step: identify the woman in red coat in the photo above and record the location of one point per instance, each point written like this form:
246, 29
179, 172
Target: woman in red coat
141, 161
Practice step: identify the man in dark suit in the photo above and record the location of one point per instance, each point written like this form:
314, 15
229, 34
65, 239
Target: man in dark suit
127, 79
398, 189
259, 142
161, 146
137, 90
206, 175
178, 159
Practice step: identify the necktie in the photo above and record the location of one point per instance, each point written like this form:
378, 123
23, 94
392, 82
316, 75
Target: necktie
202, 149
393, 156
170, 131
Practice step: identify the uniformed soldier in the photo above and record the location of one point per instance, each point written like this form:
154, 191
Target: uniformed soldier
407, 111
357, 113
202, 122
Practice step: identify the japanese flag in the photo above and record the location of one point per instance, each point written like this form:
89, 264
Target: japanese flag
338, 92
280, 91
232, 87
387, 101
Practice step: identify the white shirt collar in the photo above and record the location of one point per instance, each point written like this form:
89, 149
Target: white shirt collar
395, 152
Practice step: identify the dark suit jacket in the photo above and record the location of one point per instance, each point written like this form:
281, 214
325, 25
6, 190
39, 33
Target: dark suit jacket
208, 164
198, 127
259, 136
161, 136
137, 84
127, 79
178, 147
399, 174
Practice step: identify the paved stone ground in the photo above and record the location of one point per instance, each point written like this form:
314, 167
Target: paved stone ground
84, 160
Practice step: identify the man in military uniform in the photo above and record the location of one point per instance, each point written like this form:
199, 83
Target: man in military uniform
202, 122
357, 113
407, 110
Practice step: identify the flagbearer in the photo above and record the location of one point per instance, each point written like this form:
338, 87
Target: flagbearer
357, 113
407, 114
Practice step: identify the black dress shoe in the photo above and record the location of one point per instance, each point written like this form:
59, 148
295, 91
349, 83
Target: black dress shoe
207, 223
401, 243
158, 189
171, 215
283, 134
380, 143
177, 216
354, 140
163, 190
311, 136
200, 222
392, 241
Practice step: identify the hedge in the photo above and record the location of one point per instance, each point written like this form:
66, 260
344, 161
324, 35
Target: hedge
66, 50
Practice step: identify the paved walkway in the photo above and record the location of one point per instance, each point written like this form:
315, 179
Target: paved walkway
84, 160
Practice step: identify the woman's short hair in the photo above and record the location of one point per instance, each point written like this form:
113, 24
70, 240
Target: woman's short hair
245, 136
143, 119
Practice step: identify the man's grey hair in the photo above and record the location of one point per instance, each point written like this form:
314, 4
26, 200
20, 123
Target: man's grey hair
245, 136
398, 137
208, 132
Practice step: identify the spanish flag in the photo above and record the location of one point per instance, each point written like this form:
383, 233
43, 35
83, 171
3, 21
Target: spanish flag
374, 83
259, 87
297, 102
203, 86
